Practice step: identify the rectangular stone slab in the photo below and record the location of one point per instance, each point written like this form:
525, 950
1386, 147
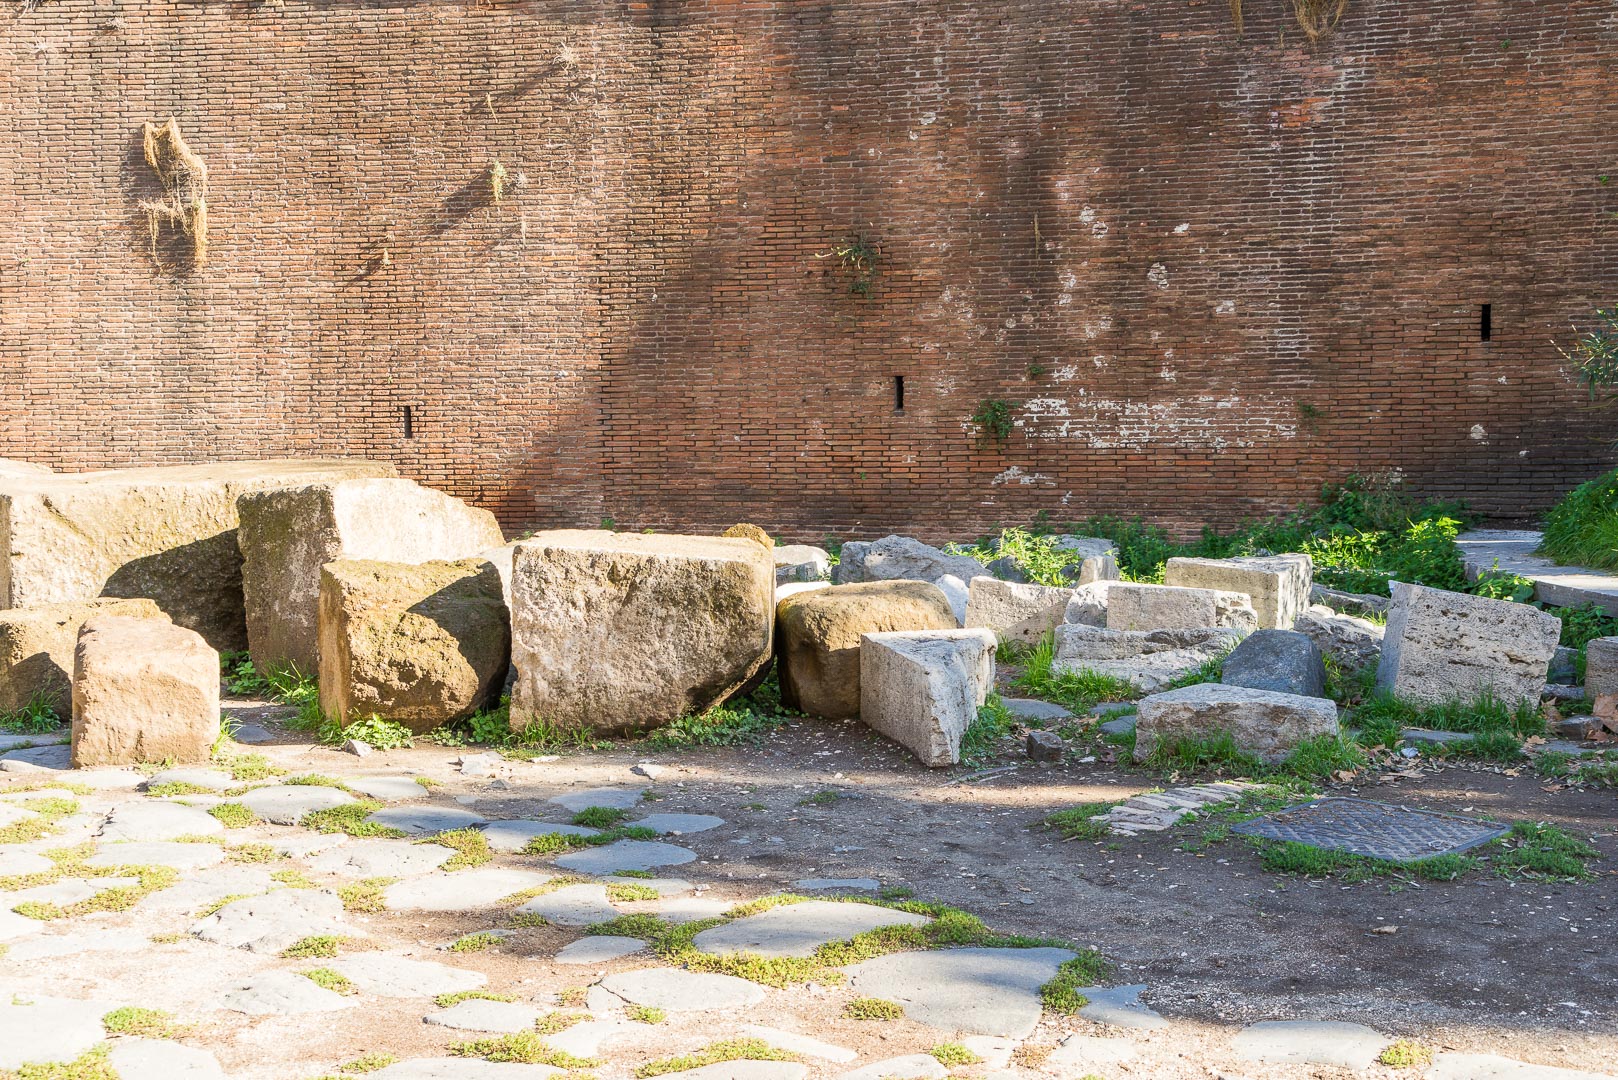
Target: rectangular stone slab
922, 688
166, 533
1263, 723
1277, 584
1164, 607
1447, 646
1015, 611
1601, 667
36, 648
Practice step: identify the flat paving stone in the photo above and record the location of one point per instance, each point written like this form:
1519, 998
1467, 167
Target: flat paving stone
800, 929
974, 991
268, 924
62, 893
1080, 1054
1310, 1042
47, 1029
464, 1069
253, 734
22, 742
674, 990
204, 888
17, 861
282, 993
1122, 725
383, 858
513, 835
77, 941
288, 805
157, 853
586, 1039
833, 884
611, 798
386, 787
573, 905
480, 1015
806, 1045
157, 821
162, 1059
1120, 1006
1492, 1067
599, 950
464, 890
678, 824
212, 779
303, 845
424, 820
14, 926
909, 1067
746, 1070
109, 779
387, 975
1034, 709
55, 756
684, 909
11, 814
626, 855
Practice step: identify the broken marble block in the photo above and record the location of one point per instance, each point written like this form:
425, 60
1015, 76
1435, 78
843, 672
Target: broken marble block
36, 649
1353, 642
422, 644
923, 688
902, 558
288, 534
796, 563
631, 631
143, 690
1261, 722
1014, 611
1149, 660
1278, 585
1284, 661
818, 637
1447, 646
1601, 667
1164, 607
166, 533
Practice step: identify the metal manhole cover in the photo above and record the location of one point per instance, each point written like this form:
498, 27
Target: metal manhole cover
1378, 830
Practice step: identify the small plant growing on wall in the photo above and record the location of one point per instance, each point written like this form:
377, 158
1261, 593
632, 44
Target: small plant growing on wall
858, 257
993, 421
184, 176
1316, 17
498, 181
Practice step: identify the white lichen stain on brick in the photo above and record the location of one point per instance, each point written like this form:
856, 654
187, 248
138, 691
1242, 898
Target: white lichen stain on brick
1017, 475
1065, 373
1478, 434
1225, 307
1182, 228
1167, 374
1039, 408
1158, 275
1199, 422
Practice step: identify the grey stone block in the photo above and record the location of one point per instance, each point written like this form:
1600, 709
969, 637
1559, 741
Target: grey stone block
1284, 661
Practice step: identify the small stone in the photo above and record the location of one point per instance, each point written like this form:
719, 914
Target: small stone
1045, 746
399, 977
482, 764
625, 855
357, 747
282, 993
599, 950
649, 770
611, 798
476, 1014
1123, 725
1034, 709
253, 734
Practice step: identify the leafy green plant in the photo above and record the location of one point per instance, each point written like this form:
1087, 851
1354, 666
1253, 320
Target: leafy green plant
858, 258
982, 736
993, 421
372, 730
1582, 529
1594, 354
1082, 822
1500, 585
954, 1055
36, 717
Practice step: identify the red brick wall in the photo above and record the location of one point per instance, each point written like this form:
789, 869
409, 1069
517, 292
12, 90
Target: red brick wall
1246, 265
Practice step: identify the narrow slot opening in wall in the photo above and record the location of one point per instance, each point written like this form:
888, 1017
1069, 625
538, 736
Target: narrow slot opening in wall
406, 413
1485, 322
898, 393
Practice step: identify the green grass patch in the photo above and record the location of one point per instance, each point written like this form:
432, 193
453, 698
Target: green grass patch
1061, 994
314, 947
477, 942
599, 817
367, 1063
251, 853
249, 767
234, 815
625, 893
556, 843
444, 1001
350, 818
1302, 860
293, 879
713, 1054
1582, 529
954, 1055
327, 979
1544, 852
645, 1014
870, 1008
470, 845
91, 1065
983, 735
1406, 1054
524, 1047
36, 717
1081, 822
553, 1023
145, 1023
365, 895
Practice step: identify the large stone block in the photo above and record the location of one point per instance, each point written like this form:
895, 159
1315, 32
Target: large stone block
36, 648
1284, 661
1164, 607
799, 563
1088, 603
923, 688
903, 558
287, 535
1448, 646
624, 632
1016, 612
1262, 723
1601, 667
166, 533
1278, 585
818, 637
1149, 660
143, 690
422, 645
1353, 642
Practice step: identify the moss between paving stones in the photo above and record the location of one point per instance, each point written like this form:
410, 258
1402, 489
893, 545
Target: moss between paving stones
444, 1001
870, 1008
470, 845
316, 946
350, 818
366, 895
70, 862
48, 812
145, 1023
90, 1066
525, 1047
559, 843
713, 1054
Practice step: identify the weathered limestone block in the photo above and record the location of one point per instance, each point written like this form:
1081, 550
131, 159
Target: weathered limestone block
624, 632
922, 688
287, 535
166, 533
1164, 607
797, 563
36, 648
1283, 661
1099, 558
818, 637
902, 558
1088, 604
1016, 612
1601, 667
1262, 723
143, 690
1147, 659
1279, 585
1351, 641
1446, 646
746, 531
10, 467
422, 645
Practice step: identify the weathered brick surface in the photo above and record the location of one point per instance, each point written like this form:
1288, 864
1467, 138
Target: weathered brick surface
1244, 265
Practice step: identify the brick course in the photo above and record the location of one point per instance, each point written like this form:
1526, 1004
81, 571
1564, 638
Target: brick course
1208, 272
